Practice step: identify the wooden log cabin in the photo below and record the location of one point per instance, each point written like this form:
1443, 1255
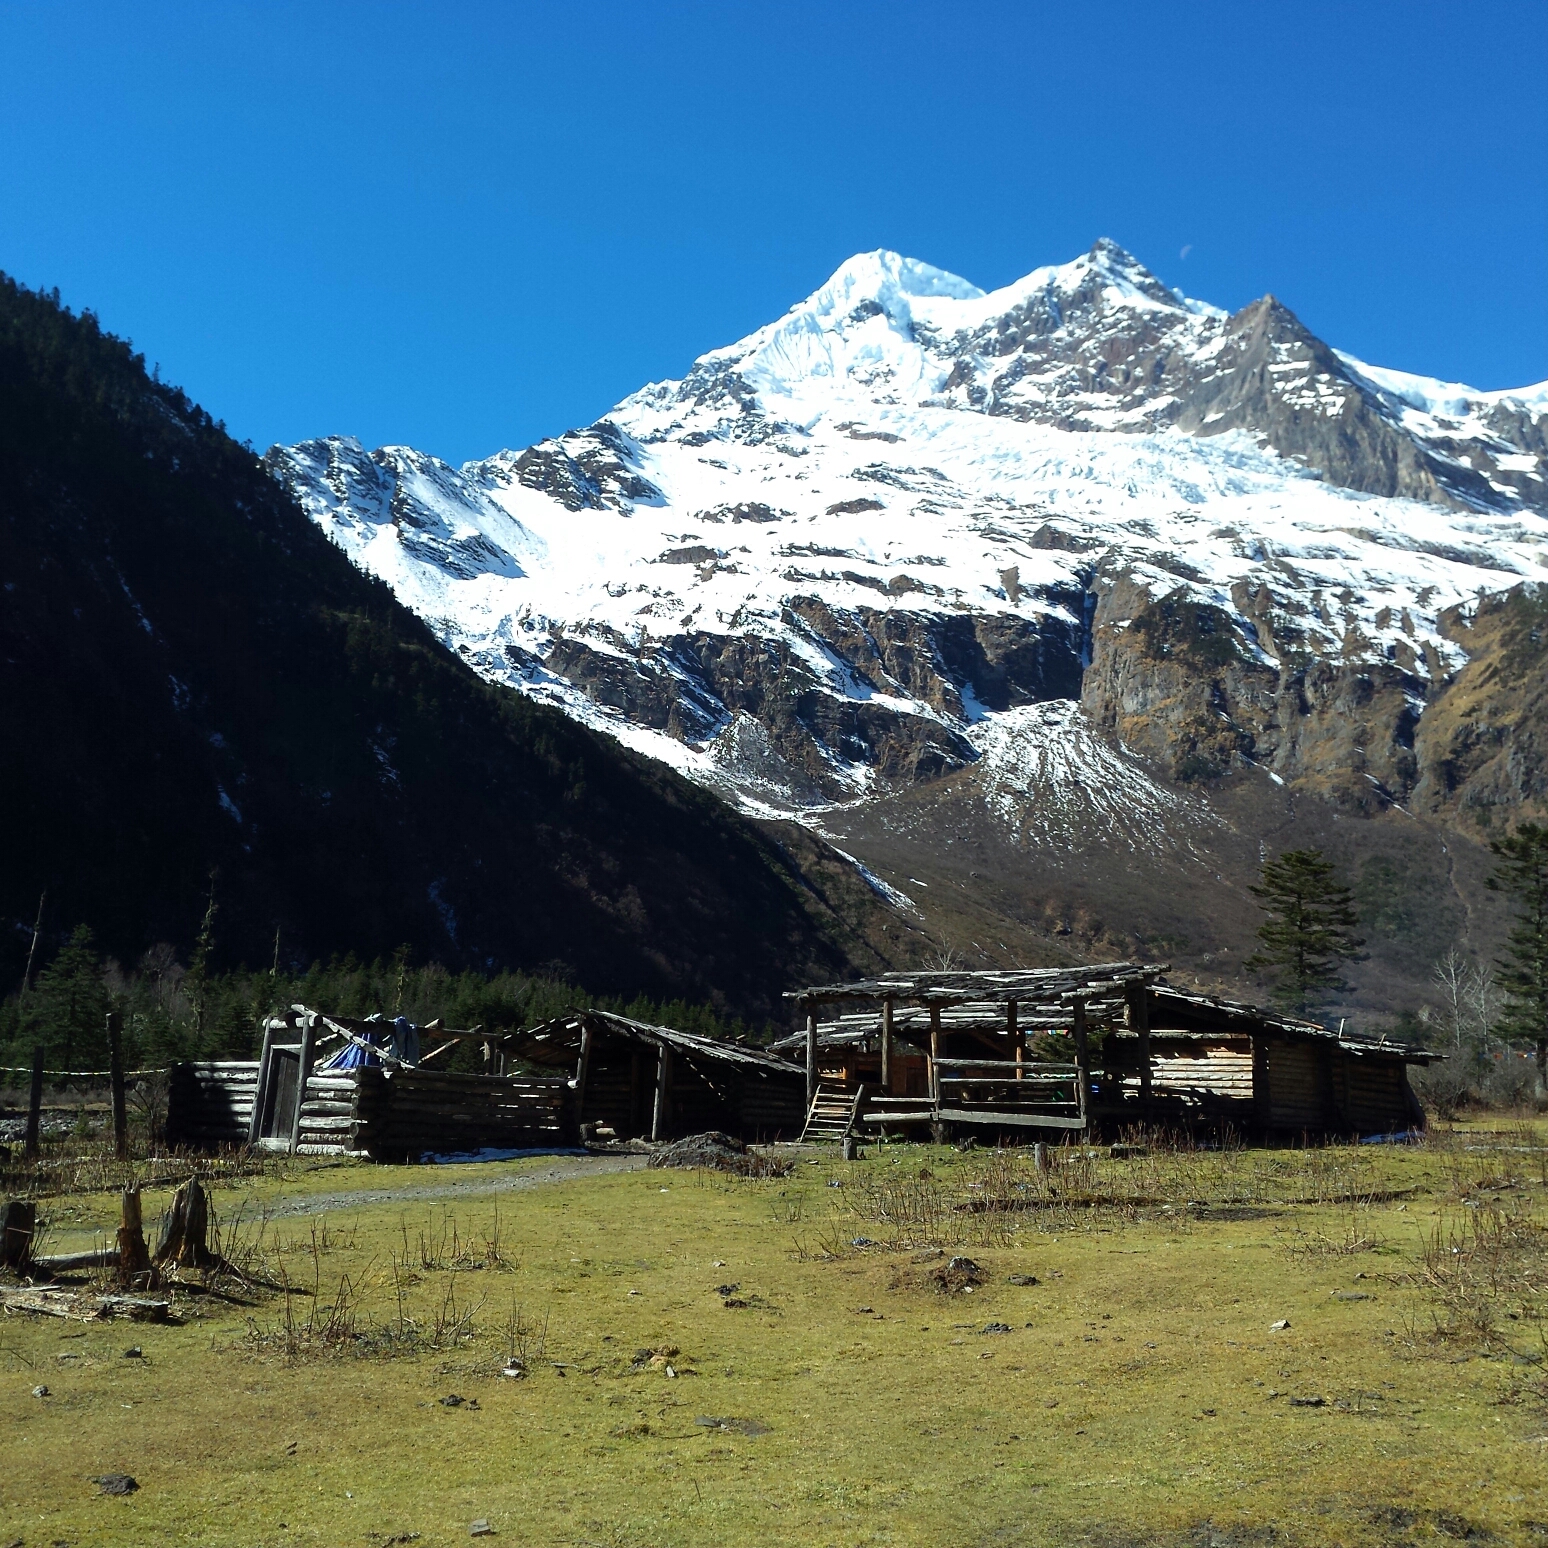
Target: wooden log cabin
301, 1097
1086, 1049
333, 1085
634, 1080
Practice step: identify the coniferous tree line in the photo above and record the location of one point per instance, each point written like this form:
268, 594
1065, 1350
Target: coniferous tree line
174, 1010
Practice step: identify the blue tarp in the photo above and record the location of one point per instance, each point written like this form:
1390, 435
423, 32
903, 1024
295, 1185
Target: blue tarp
399, 1037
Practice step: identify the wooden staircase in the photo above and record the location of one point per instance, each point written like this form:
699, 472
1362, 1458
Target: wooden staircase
834, 1114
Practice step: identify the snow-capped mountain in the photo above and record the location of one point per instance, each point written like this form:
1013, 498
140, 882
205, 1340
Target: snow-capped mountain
833, 557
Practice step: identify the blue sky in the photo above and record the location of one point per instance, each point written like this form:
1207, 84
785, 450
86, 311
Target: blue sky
466, 226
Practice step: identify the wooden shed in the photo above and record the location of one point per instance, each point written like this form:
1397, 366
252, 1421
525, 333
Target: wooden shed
643, 1081
1099, 1047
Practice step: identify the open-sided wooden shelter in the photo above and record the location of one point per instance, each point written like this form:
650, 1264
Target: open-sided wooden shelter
949, 1049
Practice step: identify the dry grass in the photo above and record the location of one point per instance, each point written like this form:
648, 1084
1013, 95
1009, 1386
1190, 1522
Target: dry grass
713, 1360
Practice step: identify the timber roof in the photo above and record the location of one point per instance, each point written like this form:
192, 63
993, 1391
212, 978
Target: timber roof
978, 1002
994, 988
557, 1042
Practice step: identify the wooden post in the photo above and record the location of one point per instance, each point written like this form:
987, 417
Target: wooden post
886, 1046
134, 1264
1082, 1053
18, 1222
115, 1036
33, 1141
264, 1061
660, 1118
1262, 1095
1137, 1010
811, 1054
488, 1052
935, 1054
1017, 1039
304, 1069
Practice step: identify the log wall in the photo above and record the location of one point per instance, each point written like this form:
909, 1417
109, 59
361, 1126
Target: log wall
1300, 1094
405, 1113
210, 1103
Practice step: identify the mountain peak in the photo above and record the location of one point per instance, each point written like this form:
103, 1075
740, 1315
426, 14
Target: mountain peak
885, 279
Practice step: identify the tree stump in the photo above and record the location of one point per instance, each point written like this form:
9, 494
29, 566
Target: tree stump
185, 1231
134, 1263
18, 1222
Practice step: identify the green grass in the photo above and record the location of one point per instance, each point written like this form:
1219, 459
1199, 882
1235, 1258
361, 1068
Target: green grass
1140, 1393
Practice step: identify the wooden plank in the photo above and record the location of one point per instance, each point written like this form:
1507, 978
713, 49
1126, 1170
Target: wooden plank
968, 1115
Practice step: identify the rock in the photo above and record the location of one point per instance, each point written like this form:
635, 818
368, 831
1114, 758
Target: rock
134, 1352
997, 1327
1280, 1326
116, 1483
40, 1392
861, 1241
451, 1400
1309, 1402
1352, 1295
1023, 1279
727, 1289
514, 1368
736, 1426
481, 1529
1123, 1152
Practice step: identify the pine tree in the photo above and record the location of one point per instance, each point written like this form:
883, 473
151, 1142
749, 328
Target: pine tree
68, 1007
1309, 931
1522, 872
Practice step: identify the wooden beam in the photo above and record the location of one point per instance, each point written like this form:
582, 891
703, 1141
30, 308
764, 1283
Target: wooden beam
886, 1045
1014, 1033
660, 1118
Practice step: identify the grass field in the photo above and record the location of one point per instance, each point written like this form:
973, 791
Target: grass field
718, 1361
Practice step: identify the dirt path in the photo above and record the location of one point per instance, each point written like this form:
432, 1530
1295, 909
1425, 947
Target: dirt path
447, 1186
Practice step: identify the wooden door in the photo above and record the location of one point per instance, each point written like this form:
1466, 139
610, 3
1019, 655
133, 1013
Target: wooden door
281, 1092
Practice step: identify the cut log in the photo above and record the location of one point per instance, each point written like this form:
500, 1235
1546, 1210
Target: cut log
142, 1308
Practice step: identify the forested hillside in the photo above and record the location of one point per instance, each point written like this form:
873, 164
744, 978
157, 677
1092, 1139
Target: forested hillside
203, 696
